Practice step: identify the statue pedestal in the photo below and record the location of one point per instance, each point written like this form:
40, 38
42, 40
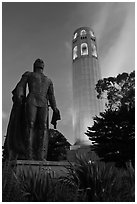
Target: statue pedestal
55, 168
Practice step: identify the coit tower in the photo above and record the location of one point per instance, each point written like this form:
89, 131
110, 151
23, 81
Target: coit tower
86, 73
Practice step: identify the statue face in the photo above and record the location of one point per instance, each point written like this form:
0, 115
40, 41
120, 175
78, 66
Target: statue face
38, 70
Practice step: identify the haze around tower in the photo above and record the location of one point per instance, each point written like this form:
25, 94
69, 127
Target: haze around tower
31, 30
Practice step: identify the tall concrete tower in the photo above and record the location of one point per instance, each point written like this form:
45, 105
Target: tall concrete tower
86, 73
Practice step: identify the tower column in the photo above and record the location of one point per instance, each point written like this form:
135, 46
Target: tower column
86, 73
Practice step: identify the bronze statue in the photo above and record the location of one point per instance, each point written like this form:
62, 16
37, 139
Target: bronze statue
28, 125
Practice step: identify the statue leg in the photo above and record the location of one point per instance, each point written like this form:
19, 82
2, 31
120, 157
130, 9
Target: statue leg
31, 117
42, 144
42, 134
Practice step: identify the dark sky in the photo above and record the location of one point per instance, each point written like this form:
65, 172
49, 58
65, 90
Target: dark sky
44, 30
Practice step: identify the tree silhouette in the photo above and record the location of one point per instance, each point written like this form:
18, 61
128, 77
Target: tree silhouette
119, 91
58, 146
113, 133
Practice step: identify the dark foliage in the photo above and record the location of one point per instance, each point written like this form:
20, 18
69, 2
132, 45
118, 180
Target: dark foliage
119, 91
27, 185
100, 182
113, 136
86, 181
113, 133
11, 187
58, 146
37, 186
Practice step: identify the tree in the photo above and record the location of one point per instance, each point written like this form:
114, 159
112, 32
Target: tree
58, 146
113, 133
119, 91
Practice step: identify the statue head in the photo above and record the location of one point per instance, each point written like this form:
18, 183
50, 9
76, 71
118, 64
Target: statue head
38, 65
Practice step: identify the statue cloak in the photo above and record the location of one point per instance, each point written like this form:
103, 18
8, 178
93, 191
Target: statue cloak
15, 141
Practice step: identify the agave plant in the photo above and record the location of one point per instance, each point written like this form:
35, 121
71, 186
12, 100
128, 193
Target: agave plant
64, 192
37, 185
97, 181
126, 187
87, 180
10, 184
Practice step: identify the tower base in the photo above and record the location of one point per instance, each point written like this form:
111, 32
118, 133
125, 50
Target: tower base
77, 152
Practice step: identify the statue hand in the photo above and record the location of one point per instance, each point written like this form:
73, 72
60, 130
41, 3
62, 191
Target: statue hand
55, 117
57, 111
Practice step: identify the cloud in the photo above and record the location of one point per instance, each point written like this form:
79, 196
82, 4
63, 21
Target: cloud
68, 46
120, 55
100, 21
110, 24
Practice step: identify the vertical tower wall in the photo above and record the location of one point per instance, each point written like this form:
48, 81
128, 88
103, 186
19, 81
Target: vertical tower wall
86, 73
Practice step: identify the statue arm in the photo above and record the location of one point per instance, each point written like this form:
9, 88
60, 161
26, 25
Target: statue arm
51, 97
56, 113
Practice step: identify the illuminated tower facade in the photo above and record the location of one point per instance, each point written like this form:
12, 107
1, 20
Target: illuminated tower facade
86, 73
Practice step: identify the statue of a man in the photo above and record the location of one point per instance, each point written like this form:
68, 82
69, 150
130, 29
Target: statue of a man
41, 93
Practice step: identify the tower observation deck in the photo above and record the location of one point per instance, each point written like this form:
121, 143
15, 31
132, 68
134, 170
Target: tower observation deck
86, 73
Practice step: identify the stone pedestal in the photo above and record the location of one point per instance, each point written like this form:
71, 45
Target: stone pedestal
55, 168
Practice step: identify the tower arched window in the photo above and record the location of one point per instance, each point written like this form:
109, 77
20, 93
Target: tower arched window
83, 32
75, 52
84, 49
94, 50
75, 35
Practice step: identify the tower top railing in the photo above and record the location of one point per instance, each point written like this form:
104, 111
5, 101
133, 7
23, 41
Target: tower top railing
83, 32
